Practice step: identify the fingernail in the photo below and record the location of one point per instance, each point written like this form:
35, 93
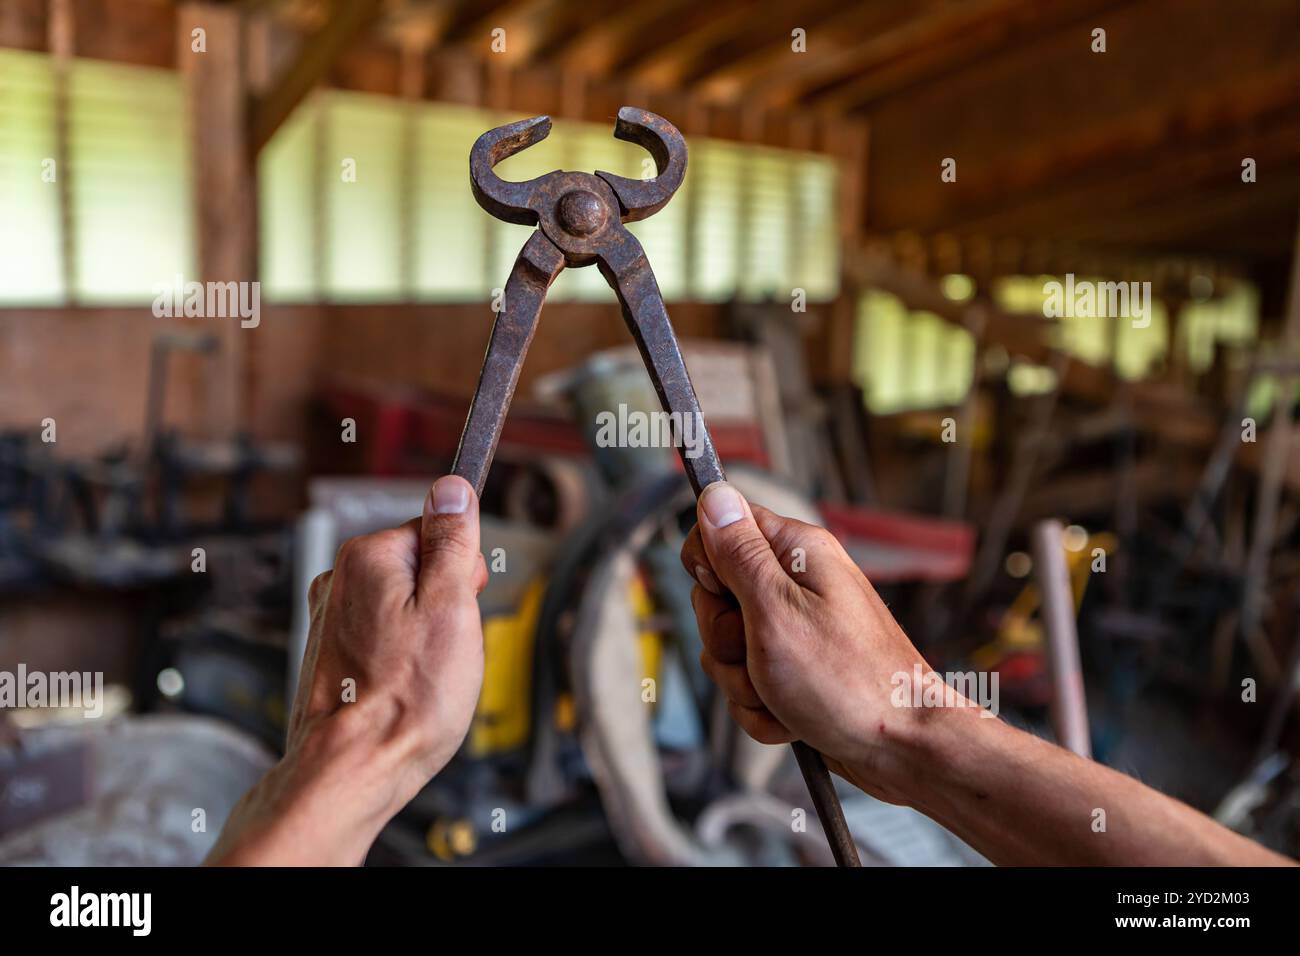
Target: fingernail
722, 504
449, 496
706, 580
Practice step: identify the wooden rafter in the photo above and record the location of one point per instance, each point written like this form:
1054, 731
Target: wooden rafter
664, 53
770, 35
899, 29
474, 20
754, 74
318, 52
599, 41
1153, 153
952, 43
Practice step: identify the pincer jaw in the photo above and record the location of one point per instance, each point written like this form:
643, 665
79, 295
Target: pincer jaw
507, 201
637, 198
642, 198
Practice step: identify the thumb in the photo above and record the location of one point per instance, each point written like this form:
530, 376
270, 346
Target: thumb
449, 536
740, 555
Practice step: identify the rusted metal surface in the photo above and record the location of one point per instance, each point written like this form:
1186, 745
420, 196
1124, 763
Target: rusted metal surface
535, 269
580, 219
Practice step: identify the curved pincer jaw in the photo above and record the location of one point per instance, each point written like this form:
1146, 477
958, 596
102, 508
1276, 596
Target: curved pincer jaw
642, 198
506, 200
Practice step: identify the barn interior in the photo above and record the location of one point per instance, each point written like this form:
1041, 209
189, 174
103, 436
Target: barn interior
1005, 294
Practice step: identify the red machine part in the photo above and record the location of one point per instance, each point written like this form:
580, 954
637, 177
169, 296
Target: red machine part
402, 431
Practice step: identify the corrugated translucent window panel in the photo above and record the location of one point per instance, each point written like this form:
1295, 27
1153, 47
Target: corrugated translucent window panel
765, 273
1088, 337
451, 230
879, 352
30, 271
1139, 350
663, 235
132, 208
957, 369
289, 215
363, 257
718, 171
1026, 378
1232, 319
905, 360
1021, 293
817, 256
925, 343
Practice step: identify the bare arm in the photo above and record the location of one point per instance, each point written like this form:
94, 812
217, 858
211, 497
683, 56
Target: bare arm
804, 649
1020, 800
390, 678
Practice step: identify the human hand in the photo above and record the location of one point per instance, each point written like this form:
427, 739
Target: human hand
798, 640
813, 655
388, 687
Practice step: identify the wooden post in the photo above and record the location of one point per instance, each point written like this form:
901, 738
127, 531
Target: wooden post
956, 479
848, 143
61, 29
413, 81
697, 127
225, 191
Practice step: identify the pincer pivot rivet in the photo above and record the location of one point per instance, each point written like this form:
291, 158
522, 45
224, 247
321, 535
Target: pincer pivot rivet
581, 212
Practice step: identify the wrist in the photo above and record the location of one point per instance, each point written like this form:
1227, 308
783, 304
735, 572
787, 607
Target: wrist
909, 759
325, 802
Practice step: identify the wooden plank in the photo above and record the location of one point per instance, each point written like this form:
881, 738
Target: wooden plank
1052, 114
759, 43
600, 41
897, 30
661, 56
62, 40
963, 38
473, 20
314, 58
138, 33
1120, 164
225, 191
24, 25
767, 70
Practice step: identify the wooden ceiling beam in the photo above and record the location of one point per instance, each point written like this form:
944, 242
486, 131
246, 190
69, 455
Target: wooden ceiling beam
546, 27
902, 29
347, 20
600, 41
767, 39
1148, 156
661, 55
772, 67
1050, 122
986, 258
1209, 209
966, 42
24, 24
474, 20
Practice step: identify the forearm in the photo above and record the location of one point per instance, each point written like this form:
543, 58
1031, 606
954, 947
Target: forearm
322, 805
1020, 800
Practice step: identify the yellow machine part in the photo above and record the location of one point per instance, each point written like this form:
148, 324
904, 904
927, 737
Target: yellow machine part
502, 718
1018, 629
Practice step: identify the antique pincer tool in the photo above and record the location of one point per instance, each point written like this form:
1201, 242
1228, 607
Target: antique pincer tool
580, 219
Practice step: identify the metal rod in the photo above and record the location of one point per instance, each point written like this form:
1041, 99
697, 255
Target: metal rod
1069, 706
